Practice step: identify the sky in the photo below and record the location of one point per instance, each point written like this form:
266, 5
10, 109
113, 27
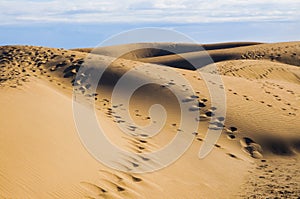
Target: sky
78, 23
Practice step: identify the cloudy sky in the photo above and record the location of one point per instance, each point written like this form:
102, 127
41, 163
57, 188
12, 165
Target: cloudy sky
61, 23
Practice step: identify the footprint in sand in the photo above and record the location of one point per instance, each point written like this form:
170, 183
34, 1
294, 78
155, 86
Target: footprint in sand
209, 113
252, 148
231, 136
230, 132
233, 129
232, 155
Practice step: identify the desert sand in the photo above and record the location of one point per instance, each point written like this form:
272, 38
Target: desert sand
256, 156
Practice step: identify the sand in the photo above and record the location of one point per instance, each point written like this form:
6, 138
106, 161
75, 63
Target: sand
256, 156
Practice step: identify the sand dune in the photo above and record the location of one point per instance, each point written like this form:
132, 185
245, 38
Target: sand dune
150, 50
279, 52
257, 154
164, 53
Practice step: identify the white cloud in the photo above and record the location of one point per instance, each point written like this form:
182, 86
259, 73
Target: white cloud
156, 11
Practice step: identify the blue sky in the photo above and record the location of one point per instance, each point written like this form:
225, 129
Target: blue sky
78, 23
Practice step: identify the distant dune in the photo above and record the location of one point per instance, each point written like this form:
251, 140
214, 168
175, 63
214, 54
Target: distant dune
175, 55
144, 50
257, 155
